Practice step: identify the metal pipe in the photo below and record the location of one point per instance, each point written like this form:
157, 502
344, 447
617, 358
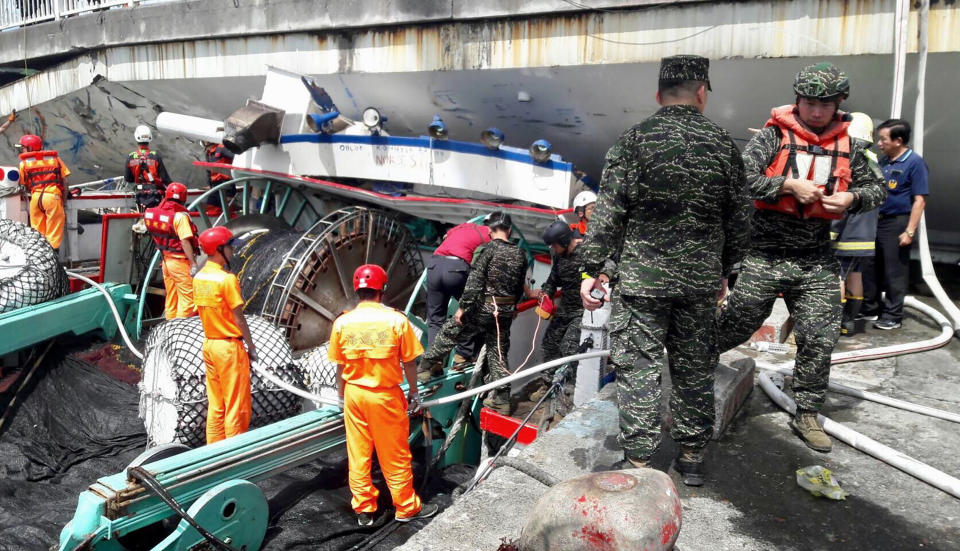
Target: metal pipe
197, 128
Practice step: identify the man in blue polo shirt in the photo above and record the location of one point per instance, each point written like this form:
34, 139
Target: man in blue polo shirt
906, 178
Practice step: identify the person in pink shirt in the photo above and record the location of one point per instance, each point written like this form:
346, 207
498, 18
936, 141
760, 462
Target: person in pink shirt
446, 277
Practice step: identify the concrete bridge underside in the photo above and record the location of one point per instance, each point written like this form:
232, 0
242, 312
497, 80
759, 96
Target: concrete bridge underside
590, 74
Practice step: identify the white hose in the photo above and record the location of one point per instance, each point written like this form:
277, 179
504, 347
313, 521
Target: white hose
292, 389
873, 397
905, 463
113, 308
447, 399
926, 262
509, 379
946, 333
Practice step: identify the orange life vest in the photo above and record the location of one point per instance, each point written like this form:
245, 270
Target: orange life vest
580, 226
146, 172
215, 154
823, 158
41, 168
159, 221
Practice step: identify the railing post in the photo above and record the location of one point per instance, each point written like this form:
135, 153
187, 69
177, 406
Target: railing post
56, 9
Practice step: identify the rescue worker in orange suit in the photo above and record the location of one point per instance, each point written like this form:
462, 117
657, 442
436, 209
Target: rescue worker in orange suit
216, 293
370, 344
45, 176
175, 235
217, 153
146, 171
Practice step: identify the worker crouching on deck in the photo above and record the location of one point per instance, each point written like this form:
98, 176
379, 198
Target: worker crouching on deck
45, 177
374, 347
175, 236
220, 305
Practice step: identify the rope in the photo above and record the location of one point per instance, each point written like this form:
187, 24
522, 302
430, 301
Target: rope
292, 389
533, 341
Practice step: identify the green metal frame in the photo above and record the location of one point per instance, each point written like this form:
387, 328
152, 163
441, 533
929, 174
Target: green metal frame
77, 313
246, 182
114, 507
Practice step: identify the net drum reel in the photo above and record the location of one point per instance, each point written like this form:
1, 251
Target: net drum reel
173, 401
302, 281
30, 272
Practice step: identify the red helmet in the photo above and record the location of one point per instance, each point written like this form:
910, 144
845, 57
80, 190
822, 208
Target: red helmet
369, 276
214, 238
176, 191
31, 142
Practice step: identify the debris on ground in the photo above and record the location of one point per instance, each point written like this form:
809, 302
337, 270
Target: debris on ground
819, 481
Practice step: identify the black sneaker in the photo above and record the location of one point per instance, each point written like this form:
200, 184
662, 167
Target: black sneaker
426, 511
867, 317
887, 325
365, 519
689, 464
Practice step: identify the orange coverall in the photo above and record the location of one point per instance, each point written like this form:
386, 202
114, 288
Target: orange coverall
176, 274
47, 215
216, 294
370, 342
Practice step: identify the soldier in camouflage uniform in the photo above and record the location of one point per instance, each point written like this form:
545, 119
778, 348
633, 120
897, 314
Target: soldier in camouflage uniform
487, 308
673, 202
794, 167
563, 334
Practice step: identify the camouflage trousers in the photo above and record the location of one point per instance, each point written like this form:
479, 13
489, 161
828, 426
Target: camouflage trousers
646, 333
561, 337
811, 288
480, 324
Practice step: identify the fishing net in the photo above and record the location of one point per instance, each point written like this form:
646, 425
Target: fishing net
29, 270
258, 259
320, 374
173, 402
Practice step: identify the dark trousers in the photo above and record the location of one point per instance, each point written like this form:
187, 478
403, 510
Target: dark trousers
888, 271
446, 278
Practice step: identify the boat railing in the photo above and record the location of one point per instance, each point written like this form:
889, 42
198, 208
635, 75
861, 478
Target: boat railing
20, 13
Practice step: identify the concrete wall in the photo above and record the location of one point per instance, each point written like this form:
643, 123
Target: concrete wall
200, 19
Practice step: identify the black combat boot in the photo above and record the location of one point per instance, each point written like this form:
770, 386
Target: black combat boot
689, 464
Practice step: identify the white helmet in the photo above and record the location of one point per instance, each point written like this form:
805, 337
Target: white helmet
143, 134
861, 126
584, 198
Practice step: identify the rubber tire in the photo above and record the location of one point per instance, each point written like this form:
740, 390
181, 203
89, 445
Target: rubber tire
39, 278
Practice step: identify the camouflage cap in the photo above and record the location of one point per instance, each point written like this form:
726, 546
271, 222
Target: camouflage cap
685, 67
822, 81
